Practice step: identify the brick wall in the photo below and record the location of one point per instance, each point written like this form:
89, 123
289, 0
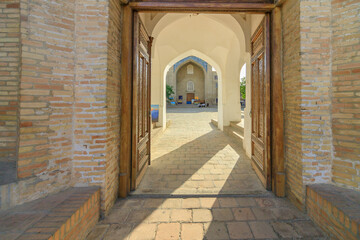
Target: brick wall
292, 100
9, 87
307, 88
69, 99
113, 103
91, 157
335, 210
321, 86
46, 101
47, 97
315, 33
97, 97
346, 92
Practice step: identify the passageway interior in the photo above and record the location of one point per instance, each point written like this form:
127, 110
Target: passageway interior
200, 184
200, 56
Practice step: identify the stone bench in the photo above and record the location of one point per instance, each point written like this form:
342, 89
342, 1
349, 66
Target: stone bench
336, 210
70, 214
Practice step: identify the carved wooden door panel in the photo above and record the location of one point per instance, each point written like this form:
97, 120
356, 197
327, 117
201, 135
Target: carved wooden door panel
260, 102
141, 102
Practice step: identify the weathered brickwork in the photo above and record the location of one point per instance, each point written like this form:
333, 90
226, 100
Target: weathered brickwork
315, 47
113, 103
69, 99
292, 99
9, 86
47, 97
90, 92
335, 210
321, 75
346, 92
97, 118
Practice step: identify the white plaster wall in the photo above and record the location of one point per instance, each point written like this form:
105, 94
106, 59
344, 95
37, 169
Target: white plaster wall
210, 86
247, 115
231, 88
255, 21
157, 89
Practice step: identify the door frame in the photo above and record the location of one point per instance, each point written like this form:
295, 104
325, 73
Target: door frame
277, 115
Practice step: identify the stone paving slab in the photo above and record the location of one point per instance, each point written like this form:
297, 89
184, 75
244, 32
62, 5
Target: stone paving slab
205, 218
192, 157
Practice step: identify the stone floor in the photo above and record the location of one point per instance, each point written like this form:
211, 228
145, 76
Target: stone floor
205, 218
200, 185
192, 157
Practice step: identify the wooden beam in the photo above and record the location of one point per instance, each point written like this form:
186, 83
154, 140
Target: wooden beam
126, 102
277, 113
201, 7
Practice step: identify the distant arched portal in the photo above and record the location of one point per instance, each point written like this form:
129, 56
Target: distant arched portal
193, 78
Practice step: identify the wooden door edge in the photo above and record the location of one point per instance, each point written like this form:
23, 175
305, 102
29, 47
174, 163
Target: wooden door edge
277, 114
134, 133
268, 144
126, 99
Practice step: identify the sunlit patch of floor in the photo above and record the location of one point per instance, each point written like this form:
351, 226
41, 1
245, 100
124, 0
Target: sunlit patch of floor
193, 157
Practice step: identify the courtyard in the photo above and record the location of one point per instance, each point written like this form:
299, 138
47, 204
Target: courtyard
200, 185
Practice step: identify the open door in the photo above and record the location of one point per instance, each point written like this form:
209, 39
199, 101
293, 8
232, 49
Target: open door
141, 115
260, 102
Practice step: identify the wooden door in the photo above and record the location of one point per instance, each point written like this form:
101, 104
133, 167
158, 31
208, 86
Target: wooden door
260, 102
141, 102
189, 97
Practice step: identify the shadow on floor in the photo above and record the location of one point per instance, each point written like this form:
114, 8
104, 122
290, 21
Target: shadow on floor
204, 189
212, 164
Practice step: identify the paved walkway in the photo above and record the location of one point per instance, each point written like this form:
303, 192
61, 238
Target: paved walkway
205, 218
192, 157
190, 162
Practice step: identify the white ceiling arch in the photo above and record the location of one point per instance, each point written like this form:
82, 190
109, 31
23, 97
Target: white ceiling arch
234, 22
